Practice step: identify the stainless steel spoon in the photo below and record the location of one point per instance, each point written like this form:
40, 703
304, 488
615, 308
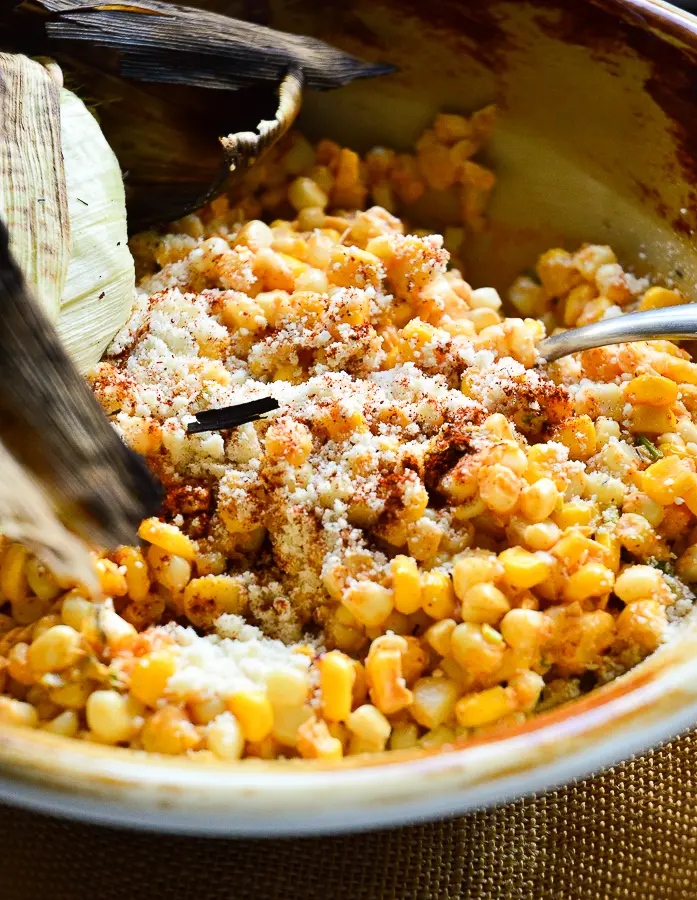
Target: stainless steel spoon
669, 323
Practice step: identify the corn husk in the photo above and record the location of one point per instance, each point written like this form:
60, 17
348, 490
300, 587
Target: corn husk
100, 285
33, 198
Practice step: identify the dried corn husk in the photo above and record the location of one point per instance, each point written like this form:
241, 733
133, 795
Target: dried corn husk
62, 198
100, 285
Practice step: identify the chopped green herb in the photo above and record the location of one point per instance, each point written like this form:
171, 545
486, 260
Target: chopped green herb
650, 448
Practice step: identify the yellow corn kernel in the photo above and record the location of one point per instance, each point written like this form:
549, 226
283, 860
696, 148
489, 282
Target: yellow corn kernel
169, 731
205, 708
18, 664
406, 584
473, 649
658, 297
168, 537
72, 695
641, 583
208, 598
224, 737
287, 720
340, 425
484, 604
137, 577
304, 193
499, 488
643, 623
557, 272
254, 713
575, 513
542, 535
523, 569
471, 570
111, 581
150, 676
439, 635
484, 707
434, 701
437, 595
15, 712
288, 440
651, 390
539, 500
591, 580
13, 578
369, 602
370, 725
578, 434
469, 510
315, 741
527, 687
667, 480
405, 735
337, 676
526, 629
174, 572
383, 667
41, 582
287, 687
652, 420
56, 649
612, 547
112, 718
66, 724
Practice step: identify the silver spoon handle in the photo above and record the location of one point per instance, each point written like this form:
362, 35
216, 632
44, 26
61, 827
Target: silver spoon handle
669, 323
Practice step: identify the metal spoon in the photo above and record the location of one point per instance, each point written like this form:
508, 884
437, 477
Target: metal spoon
669, 323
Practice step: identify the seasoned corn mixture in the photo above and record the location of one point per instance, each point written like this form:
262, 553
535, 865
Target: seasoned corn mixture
436, 532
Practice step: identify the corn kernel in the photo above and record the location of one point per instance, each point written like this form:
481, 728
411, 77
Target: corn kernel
525, 629
523, 569
137, 577
434, 701
13, 578
286, 687
383, 667
652, 420
474, 650
578, 434
640, 583
484, 707
369, 602
658, 297
169, 731
437, 595
539, 500
224, 737
667, 480
150, 676
591, 580
315, 741
405, 735
168, 537
66, 724
643, 623
15, 712
575, 513
439, 636
471, 570
337, 676
208, 598
484, 604
56, 649
499, 488
254, 713
112, 717
652, 390
406, 584
542, 535
370, 725
111, 581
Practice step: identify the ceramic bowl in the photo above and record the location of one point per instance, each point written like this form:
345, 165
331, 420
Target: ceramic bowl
597, 142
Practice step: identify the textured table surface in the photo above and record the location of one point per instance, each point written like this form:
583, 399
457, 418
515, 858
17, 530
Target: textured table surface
629, 833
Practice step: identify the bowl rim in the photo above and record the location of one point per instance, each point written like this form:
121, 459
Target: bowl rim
115, 786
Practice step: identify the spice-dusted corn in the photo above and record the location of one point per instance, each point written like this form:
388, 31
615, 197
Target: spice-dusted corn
433, 535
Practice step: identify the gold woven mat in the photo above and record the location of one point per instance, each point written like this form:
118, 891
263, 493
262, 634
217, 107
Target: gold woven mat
631, 833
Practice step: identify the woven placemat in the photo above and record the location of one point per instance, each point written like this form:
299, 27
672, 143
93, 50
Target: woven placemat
629, 833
